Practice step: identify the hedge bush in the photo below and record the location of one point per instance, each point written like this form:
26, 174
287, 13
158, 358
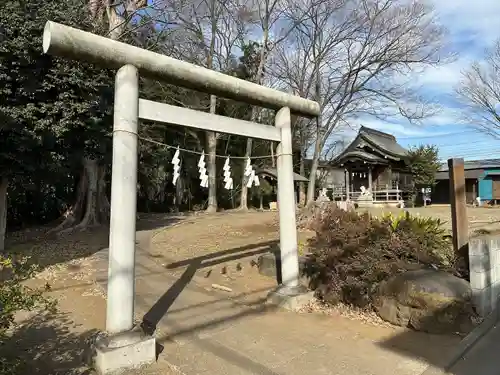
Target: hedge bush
352, 253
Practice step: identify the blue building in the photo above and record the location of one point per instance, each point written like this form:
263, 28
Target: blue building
482, 179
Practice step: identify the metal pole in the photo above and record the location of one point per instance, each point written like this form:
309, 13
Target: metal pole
121, 271
288, 227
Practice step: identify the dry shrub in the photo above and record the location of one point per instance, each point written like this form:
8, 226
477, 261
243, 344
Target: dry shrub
352, 253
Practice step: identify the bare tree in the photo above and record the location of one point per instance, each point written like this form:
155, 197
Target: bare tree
274, 27
352, 57
267, 13
303, 140
210, 31
479, 91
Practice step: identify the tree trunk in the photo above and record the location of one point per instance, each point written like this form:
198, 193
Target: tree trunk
255, 112
271, 148
244, 189
302, 186
311, 188
4, 184
103, 201
212, 136
91, 210
212, 162
92, 206
97, 205
74, 213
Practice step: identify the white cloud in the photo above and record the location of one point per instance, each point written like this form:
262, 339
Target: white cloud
395, 129
443, 77
470, 21
446, 117
473, 27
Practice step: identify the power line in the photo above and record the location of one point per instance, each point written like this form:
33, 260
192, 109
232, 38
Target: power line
474, 150
468, 150
461, 144
475, 155
440, 135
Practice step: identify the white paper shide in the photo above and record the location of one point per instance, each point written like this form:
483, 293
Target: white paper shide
203, 171
253, 179
228, 180
176, 162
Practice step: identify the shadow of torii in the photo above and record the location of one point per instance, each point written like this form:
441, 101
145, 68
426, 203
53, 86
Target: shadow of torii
162, 306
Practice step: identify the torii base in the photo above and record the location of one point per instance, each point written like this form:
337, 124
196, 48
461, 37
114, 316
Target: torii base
290, 298
125, 351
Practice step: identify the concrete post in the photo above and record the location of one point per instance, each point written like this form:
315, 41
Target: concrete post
458, 207
121, 271
484, 266
286, 201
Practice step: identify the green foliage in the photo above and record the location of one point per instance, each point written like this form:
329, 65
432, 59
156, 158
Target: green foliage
430, 232
353, 253
424, 164
15, 296
58, 103
53, 111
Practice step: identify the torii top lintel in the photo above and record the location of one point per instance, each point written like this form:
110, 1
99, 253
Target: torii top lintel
64, 41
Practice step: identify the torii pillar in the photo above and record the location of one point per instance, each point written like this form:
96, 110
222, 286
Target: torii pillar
127, 346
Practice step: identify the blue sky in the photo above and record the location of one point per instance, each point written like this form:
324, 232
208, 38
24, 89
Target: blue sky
473, 27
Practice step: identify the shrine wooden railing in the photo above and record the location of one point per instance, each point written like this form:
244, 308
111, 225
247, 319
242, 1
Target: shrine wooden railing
379, 194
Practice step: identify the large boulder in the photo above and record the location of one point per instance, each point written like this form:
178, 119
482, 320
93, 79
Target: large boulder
426, 300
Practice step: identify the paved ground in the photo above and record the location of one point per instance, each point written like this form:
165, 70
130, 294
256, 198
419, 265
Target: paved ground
483, 358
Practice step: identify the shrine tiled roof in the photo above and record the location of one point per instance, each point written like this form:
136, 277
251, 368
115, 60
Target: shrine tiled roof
373, 146
384, 141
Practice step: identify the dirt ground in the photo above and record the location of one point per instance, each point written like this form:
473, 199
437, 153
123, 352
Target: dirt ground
59, 344
227, 243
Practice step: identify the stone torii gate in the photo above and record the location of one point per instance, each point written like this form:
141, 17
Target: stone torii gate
127, 346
